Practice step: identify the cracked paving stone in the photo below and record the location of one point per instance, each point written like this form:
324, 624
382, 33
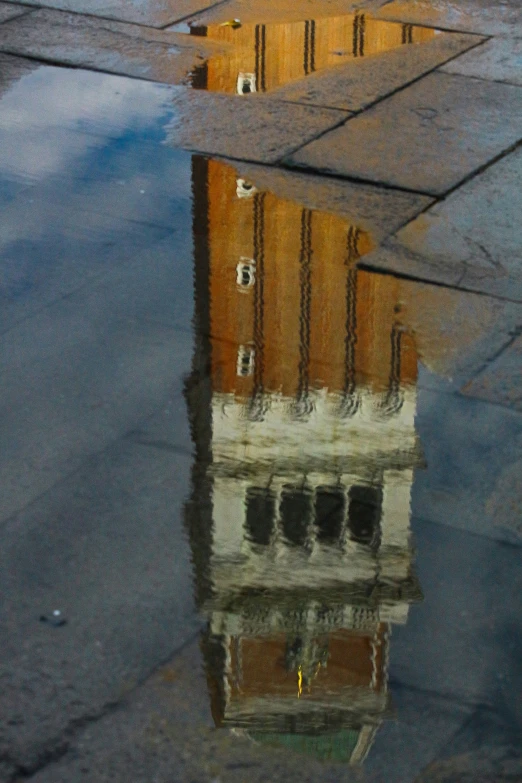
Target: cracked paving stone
156, 13
122, 621
501, 381
473, 239
499, 59
8, 11
445, 127
491, 17
114, 47
357, 84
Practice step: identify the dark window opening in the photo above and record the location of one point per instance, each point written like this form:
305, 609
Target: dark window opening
329, 513
296, 514
199, 77
260, 515
364, 514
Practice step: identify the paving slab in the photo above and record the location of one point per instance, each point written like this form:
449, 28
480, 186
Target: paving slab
8, 11
499, 59
490, 17
472, 239
156, 13
105, 548
456, 332
262, 130
424, 723
163, 732
445, 127
379, 212
503, 764
472, 452
267, 12
463, 641
501, 381
363, 81
457, 654
114, 47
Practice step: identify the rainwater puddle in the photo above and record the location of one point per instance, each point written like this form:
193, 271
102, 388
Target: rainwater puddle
266, 56
213, 413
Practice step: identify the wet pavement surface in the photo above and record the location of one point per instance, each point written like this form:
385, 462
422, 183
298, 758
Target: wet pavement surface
260, 339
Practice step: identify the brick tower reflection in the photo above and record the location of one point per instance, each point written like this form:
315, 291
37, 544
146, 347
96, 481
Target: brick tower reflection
302, 404
266, 56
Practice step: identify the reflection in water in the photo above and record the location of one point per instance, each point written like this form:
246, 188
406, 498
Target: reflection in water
302, 403
266, 56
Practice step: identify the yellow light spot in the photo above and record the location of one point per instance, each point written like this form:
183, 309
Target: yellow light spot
299, 682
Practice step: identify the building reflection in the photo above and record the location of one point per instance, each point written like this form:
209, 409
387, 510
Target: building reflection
266, 56
302, 406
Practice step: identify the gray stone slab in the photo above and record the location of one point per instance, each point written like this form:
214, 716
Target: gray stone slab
107, 549
114, 47
163, 732
463, 641
503, 764
490, 17
472, 451
357, 84
259, 129
9, 11
472, 239
423, 724
456, 332
501, 381
499, 59
427, 137
378, 211
156, 13
75, 377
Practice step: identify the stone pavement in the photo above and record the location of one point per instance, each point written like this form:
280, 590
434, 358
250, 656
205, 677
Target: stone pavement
391, 140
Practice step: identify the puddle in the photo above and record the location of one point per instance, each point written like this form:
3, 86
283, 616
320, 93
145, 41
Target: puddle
333, 510
267, 56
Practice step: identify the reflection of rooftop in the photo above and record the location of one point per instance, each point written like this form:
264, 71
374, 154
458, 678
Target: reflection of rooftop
266, 56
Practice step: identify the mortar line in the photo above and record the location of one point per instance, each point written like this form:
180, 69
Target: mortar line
480, 169
452, 286
464, 531
479, 78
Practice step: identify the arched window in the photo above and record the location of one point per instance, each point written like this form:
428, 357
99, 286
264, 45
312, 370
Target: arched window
329, 514
260, 515
245, 189
245, 361
246, 83
364, 514
245, 273
296, 514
